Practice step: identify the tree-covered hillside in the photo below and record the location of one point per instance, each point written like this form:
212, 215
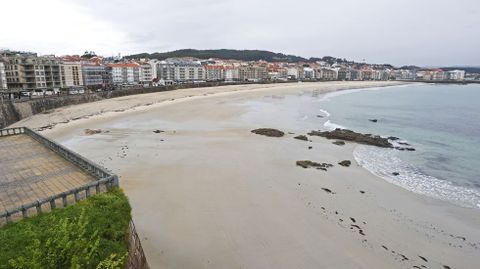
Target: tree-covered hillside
226, 54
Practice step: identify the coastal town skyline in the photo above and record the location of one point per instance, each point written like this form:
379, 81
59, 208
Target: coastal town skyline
27, 73
391, 32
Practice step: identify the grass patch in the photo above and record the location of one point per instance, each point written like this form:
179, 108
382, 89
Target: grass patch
90, 234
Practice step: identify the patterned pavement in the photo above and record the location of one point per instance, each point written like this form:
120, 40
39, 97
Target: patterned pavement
30, 171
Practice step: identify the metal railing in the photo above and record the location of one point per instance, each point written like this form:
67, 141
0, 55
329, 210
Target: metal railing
105, 179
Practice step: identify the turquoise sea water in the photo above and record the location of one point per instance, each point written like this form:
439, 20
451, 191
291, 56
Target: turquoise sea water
442, 122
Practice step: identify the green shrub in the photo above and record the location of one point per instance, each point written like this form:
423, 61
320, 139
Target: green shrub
90, 234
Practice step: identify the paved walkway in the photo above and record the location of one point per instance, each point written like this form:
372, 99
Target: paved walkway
30, 171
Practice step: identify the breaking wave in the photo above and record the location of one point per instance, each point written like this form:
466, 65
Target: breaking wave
384, 162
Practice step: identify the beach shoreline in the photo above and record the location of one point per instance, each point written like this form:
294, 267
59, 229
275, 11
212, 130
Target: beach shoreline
200, 200
132, 103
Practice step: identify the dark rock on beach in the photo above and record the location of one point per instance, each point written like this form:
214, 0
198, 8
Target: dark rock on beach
339, 143
423, 258
268, 132
308, 164
328, 190
92, 131
301, 137
349, 135
345, 163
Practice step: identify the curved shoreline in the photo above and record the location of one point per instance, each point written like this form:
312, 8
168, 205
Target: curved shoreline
199, 200
66, 115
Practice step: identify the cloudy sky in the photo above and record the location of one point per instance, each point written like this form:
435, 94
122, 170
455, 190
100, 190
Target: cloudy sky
421, 32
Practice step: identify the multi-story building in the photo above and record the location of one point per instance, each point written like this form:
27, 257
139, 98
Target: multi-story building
25, 72
439, 74
52, 73
308, 73
456, 75
154, 66
166, 71
95, 75
3, 77
189, 71
215, 72
145, 73
293, 73
366, 74
403, 74
344, 74
253, 73
325, 73
125, 73
71, 75
232, 74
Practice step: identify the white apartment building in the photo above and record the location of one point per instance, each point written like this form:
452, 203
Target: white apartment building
189, 72
145, 73
154, 66
456, 75
293, 73
166, 71
308, 73
3, 77
232, 74
125, 73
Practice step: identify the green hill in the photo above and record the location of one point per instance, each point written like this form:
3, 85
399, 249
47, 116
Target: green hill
226, 54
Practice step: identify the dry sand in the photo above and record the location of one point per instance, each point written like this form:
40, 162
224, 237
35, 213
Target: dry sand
207, 193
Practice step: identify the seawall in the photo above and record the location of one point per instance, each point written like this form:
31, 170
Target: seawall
136, 257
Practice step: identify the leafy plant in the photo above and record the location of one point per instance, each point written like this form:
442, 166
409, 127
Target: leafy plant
90, 234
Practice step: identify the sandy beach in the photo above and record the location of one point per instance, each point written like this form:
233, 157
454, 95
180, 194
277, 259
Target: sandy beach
208, 193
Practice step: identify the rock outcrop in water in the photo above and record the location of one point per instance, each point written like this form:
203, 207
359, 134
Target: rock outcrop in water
344, 134
268, 132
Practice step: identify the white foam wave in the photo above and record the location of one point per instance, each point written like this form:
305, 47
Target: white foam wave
327, 114
383, 162
332, 126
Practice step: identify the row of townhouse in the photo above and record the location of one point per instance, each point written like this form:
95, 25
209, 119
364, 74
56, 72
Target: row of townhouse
27, 72
439, 75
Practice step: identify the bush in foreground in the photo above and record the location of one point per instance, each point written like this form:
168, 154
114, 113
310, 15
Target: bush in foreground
90, 234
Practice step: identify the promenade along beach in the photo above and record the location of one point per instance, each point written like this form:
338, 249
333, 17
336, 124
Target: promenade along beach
206, 192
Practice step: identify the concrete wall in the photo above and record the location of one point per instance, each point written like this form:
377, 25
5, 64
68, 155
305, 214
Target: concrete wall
136, 256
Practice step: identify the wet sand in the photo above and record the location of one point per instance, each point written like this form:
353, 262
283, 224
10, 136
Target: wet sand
208, 193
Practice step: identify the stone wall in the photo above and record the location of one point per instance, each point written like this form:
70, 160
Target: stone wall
136, 256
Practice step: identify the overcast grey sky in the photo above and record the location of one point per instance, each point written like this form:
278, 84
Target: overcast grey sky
422, 32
